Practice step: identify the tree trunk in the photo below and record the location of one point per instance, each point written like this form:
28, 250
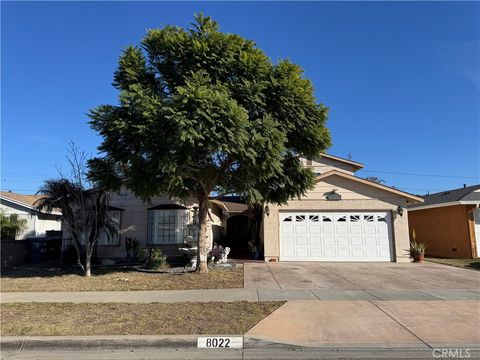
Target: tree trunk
88, 267
88, 257
202, 266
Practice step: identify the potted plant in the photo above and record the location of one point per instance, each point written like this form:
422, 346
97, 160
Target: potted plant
417, 251
254, 251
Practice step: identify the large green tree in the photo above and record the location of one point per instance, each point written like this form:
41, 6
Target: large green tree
204, 113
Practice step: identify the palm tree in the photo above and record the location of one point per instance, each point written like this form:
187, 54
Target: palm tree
11, 226
84, 212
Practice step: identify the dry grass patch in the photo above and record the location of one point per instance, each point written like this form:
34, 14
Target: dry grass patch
464, 263
113, 279
47, 319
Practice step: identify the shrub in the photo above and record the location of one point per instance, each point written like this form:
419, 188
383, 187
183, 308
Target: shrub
417, 248
155, 259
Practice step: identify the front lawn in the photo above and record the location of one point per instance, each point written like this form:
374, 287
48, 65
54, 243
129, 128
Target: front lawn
55, 277
464, 263
67, 319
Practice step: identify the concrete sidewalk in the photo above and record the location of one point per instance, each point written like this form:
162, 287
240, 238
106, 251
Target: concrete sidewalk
229, 295
370, 324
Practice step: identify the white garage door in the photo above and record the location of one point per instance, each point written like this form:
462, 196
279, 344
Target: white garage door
348, 236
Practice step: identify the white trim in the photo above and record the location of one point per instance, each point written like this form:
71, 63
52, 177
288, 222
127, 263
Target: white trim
451, 203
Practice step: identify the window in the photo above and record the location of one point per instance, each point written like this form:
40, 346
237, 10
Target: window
342, 218
313, 218
381, 218
368, 218
107, 238
354, 218
167, 226
326, 218
300, 218
287, 219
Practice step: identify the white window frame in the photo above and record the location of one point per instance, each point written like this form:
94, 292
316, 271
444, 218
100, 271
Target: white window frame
167, 226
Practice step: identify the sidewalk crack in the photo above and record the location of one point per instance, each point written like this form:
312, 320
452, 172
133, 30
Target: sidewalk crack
399, 323
273, 275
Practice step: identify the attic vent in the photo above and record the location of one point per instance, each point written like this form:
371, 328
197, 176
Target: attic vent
446, 193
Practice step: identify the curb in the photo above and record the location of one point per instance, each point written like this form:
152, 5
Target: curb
18, 343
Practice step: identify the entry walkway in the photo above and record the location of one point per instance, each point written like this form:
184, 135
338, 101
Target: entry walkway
229, 295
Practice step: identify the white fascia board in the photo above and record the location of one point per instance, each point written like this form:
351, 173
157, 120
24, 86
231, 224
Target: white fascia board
452, 203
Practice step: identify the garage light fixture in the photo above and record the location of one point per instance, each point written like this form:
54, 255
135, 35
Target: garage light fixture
400, 210
267, 210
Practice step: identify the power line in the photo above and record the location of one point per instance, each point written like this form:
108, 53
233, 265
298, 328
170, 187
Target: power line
429, 175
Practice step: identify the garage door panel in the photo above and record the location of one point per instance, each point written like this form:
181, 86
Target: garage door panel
383, 241
301, 253
328, 241
287, 229
356, 241
341, 229
356, 229
347, 236
300, 229
288, 242
357, 254
330, 253
328, 230
370, 229
343, 253
316, 253
301, 241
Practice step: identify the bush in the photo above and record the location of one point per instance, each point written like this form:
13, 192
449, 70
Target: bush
417, 248
155, 259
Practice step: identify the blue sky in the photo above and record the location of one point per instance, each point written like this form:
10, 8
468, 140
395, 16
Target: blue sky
402, 79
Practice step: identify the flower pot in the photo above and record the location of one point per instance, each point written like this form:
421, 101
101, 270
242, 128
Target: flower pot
418, 257
255, 255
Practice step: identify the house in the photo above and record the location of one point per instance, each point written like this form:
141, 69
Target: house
162, 222
344, 218
448, 222
38, 222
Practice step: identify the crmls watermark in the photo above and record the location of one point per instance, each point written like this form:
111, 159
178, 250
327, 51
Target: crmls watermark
451, 353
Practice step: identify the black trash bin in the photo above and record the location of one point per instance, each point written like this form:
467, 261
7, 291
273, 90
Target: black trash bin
37, 250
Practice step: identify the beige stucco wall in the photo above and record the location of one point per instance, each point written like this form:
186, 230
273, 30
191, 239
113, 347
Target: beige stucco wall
134, 220
323, 165
355, 197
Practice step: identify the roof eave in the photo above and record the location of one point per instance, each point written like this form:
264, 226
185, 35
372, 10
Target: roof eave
438, 205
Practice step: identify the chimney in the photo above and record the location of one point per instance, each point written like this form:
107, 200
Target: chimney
464, 185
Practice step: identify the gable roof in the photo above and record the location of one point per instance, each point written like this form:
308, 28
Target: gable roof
369, 183
27, 201
461, 196
355, 164
233, 204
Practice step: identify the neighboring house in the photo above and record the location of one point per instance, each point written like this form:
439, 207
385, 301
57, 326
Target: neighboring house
38, 223
448, 222
344, 218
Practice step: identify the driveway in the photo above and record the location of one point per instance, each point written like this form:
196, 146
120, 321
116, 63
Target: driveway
359, 276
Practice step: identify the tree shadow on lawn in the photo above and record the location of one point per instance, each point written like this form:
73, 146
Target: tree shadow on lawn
56, 268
